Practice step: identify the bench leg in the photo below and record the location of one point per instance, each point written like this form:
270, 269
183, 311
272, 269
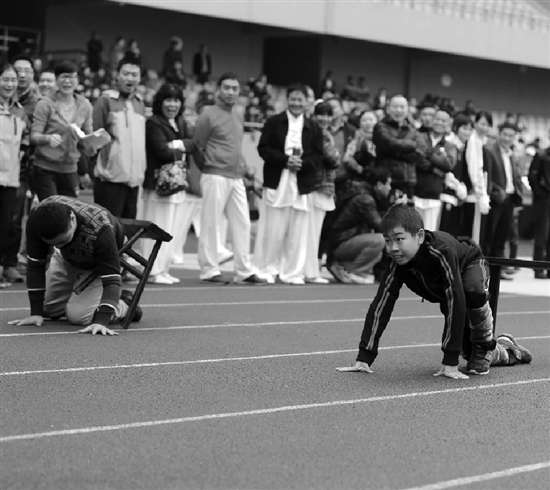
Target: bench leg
141, 285
494, 291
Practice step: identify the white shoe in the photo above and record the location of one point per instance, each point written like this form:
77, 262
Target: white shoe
339, 273
368, 279
174, 280
268, 277
296, 281
317, 280
159, 279
178, 260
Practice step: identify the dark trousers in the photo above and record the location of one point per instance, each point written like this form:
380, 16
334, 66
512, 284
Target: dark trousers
497, 228
451, 220
16, 232
541, 208
46, 183
119, 199
8, 197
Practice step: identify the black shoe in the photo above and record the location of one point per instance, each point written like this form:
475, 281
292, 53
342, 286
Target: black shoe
127, 297
219, 279
252, 279
480, 360
541, 275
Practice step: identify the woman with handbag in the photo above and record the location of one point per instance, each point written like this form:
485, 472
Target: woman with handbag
167, 143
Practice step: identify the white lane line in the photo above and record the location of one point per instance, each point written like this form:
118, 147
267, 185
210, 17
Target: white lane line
246, 303
250, 303
458, 482
266, 411
263, 324
224, 359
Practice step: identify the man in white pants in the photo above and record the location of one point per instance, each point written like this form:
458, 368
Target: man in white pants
291, 146
218, 136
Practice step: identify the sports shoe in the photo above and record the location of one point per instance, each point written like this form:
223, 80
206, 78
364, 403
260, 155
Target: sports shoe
11, 274
127, 297
339, 273
317, 280
295, 281
159, 279
511, 345
217, 279
480, 360
252, 279
4, 283
356, 279
174, 280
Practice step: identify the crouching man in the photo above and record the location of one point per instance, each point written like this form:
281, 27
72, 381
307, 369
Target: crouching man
86, 238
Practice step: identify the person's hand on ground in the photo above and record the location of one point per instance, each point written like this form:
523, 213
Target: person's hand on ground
451, 372
30, 320
95, 328
360, 367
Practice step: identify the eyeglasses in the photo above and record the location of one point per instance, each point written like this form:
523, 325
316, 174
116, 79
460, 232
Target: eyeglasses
27, 71
67, 77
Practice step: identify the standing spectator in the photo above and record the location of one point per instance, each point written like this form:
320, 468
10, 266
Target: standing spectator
133, 51
350, 89
218, 138
366, 151
327, 85
457, 182
426, 116
55, 165
363, 92
14, 128
173, 54
381, 99
176, 76
478, 198
396, 146
202, 64
505, 189
167, 141
321, 199
116, 54
121, 164
343, 134
95, 50
291, 147
355, 241
539, 180
46, 82
27, 97
439, 160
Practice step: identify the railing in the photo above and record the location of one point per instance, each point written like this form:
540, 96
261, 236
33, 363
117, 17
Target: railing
520, 14
495, 266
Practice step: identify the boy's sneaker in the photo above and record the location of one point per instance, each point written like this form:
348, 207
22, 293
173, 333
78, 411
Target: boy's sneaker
127, 297
480, 361
511, 345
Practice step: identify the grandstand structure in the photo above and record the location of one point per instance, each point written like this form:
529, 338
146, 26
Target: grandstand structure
495, 52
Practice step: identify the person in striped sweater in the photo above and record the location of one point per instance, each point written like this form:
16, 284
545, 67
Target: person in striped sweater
440, 269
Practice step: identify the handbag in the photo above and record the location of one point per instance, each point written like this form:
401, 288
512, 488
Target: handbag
171, 178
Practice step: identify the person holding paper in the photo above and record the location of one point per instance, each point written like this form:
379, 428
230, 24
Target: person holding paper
55, 137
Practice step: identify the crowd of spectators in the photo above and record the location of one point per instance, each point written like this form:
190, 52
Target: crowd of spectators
323, 195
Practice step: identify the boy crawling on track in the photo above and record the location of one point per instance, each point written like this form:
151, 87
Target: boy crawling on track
443, 270
86, 238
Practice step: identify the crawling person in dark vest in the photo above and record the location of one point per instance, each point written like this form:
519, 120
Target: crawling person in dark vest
87, 239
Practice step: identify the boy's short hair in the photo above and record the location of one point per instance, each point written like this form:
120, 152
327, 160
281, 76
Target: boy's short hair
65, 67
129, 59
508, 125
51, 219
378, 174
296, 87
402, 215
227, 76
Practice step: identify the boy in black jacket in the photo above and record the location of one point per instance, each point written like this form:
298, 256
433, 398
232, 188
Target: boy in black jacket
441, 270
